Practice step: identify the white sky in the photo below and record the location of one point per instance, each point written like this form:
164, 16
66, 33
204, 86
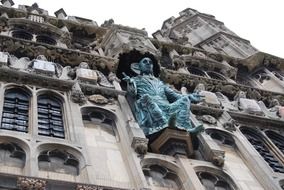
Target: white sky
259, 21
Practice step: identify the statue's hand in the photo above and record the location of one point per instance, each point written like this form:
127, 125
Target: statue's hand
126, 77
196, 97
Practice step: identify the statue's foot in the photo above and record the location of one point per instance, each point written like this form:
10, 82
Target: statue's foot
172, 121
196, 129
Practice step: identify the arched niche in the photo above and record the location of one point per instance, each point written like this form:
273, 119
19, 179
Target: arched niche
162, 174
134, 56
107, 160
257, 140
212, 178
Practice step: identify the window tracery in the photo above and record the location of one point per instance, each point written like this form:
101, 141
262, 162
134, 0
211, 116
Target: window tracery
159, 176
212, 181
58, 161
12, 155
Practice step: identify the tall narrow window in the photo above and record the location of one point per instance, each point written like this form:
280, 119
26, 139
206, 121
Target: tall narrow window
260, 146
15, 110
50, 122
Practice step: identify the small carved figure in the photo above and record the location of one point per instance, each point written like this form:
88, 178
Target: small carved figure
207, 119
156, 105
247, 105
275, 107
77, 95
87, 75
210, 99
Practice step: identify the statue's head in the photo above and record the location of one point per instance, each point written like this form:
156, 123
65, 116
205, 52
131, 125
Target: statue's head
146, 66
84, 65
274, 102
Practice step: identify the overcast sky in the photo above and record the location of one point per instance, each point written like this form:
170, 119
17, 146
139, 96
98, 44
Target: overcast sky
259, 21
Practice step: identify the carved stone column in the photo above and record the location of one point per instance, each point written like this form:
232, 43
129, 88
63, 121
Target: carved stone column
25, 183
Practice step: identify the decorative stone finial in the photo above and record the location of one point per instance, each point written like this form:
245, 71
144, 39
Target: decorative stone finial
7, 3
60, 14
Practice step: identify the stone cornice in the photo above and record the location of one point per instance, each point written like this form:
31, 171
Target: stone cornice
60, 55
254, 61
256, 121
19, 77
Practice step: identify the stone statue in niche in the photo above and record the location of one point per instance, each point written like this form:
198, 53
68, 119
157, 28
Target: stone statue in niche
157, 106
249, 106
210, 100
86, 75
276, 108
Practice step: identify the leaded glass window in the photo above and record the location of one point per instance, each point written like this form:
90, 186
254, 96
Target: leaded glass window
50, 119
15, 114
261, 147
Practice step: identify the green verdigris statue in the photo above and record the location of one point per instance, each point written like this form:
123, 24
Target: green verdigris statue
156, 105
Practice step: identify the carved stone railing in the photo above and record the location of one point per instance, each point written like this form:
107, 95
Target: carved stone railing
15, 76
190, 81
61, 55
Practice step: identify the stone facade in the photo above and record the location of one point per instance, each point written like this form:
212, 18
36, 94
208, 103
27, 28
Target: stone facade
67, 121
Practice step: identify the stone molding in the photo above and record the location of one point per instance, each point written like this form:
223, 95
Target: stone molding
25, 183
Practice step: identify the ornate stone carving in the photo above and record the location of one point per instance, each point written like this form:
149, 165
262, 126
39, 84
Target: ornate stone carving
276, 108
218, 158
210, 98
4, 59
230, 125
77, 95
98, 99
207, 119
25, 183
88, 187
249, 106
140, 145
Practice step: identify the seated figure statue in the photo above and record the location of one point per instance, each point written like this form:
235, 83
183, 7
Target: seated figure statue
156, 105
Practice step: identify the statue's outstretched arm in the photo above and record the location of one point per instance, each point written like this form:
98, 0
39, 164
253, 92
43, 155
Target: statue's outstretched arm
171, 94
131, 85
195, 97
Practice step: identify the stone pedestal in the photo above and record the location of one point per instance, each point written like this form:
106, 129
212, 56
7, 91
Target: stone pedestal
173, 142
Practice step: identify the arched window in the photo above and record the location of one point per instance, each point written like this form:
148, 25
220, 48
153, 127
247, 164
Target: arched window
22, 34
58, 161
277, 139
15, 110
50, 119
261, 147
12, 155
212, 181
220, 137
159, 176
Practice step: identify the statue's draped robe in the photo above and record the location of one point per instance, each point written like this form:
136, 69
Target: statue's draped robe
156, 103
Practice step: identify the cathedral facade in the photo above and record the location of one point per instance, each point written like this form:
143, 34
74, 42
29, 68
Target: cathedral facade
68, 121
